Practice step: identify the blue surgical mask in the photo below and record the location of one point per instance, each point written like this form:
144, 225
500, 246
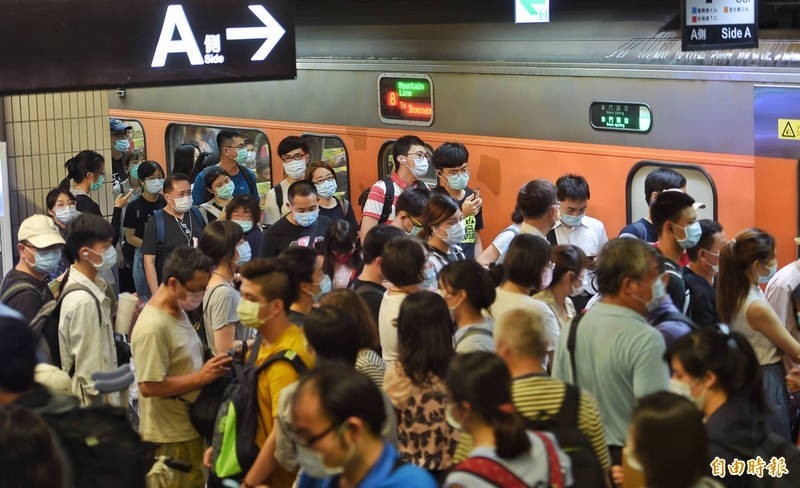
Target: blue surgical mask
658, 290
121, 145
225, 192
154, 186
572, 220
772, 270
109, 258
429, 281
693, 233
97, 184
135, 170
241, 156
324, 288
45, 262
326, 189
420, 168
245, 254
246, 225
455, 233
306, 219
459, 181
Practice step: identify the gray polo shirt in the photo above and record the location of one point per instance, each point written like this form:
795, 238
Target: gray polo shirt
619, 358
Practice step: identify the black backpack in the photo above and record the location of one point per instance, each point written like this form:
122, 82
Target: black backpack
771, 446
388, 200
101, 446
586, 469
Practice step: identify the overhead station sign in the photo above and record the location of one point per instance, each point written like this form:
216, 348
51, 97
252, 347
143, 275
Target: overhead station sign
719, 24
84, 44
405, 99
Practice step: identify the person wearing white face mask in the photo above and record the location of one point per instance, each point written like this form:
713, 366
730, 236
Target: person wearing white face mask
719, 373
567, 272
244, 210
335, 208
612, 352
177, 224
312, 283
168, 357
453, 173
39, 245
410, 164
223, 242
443, 228
85, 331
469, 291
232, 159
61, 207
293, 152
701, 272
744, 263
136, 216
303, 226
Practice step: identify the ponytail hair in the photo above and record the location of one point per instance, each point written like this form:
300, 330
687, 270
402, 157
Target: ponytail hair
728, 355
566, 258
482, 380
86, 161
735, 259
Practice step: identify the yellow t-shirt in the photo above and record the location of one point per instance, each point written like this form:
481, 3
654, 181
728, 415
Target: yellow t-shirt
270, 383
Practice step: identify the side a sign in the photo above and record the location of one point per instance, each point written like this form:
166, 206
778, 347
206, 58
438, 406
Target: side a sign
82, 44
719, 24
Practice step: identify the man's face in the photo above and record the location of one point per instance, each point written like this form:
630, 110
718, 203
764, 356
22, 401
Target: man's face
642, 289
231, 149
179, 189
303, 204
314, 430
688, 217
574, 207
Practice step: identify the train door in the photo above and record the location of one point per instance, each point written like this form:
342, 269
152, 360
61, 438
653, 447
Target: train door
698, 184
331, 150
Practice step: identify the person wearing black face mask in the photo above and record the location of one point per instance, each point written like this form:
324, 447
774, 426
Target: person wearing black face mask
168, 357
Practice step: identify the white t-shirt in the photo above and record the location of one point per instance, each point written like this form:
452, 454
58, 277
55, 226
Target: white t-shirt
590, 237
387, 330
507, 301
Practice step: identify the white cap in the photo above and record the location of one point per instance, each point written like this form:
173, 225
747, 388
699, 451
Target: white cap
40, 231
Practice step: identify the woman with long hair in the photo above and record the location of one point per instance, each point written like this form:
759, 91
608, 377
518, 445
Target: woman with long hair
415, 383
218, 184
342, 253
479, 384
469, 291
744, 263
567, 278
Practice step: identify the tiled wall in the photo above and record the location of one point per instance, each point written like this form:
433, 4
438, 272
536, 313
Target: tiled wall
42, 132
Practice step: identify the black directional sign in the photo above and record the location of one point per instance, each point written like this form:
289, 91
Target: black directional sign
79, 44
719, 24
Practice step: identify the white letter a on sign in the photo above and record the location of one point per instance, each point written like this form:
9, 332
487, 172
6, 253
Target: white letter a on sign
175, 18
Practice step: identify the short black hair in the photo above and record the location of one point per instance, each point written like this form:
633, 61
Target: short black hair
450, 155
300, 260
224, 137
402, 261
86, 229
709, 228
572, 187
333, 334
183, 262
290, 143
662, 179
273, 279
52, 197
536, 198
148, 169
210, 175
412, 200
376, 239
344, 393
302, 188
219, 240
525, 260
169, 182
244, 201
668, 206
402, 146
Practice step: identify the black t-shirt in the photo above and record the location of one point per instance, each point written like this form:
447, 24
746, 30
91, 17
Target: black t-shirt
372, 293
84, 203
702, 299
175, 235
138, 214
283, 234
642, 229
30, 300
472, 224
336, 213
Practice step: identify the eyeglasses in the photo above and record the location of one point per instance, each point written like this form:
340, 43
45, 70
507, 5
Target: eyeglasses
324, 180
419, 154
295, 157
238, 148
308, 442
71, 203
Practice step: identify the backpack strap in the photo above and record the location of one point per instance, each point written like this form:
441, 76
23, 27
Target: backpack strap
388, 200
514, 230
555, 476
571, 343
641, 230
78, 287
279, 198
158, 215
473, 332
551, 237
198, 215
284, 355
568, 413
490, 471
248, 177
344, 206
18, 288
201, 324
674, 316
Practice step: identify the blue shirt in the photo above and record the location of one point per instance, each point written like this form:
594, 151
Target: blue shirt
239, 181
382, 475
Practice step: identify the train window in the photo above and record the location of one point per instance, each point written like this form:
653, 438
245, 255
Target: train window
331, 150
204, 138
386, 163
698, 184
630, 117
136, 144
405, 99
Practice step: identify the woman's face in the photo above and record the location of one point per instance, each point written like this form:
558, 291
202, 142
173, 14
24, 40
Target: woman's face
63, 201
444, 227
321, 175
218, 183
242, 214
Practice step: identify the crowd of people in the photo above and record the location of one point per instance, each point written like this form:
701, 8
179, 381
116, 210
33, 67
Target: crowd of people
401, 351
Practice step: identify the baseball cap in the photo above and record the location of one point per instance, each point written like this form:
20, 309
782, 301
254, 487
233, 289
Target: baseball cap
40, 231
696, 205
118, 126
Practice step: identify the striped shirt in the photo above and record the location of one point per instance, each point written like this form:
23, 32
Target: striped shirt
370, 364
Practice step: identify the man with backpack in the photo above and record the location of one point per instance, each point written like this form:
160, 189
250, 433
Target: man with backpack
39, 245
546, 403
177, 224
267, 293
232, 158
410, 164
168, 357
293, 151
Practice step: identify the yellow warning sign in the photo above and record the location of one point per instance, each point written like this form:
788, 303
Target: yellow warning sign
789, 129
